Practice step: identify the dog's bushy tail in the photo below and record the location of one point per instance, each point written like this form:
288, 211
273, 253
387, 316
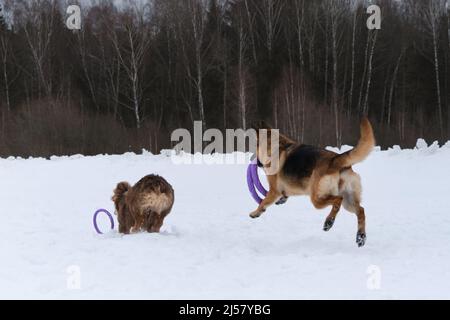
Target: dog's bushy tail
361, 151
120, 190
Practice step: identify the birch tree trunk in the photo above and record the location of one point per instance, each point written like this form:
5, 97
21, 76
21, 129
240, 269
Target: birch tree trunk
82, 51
391, 90
432, 15
352, 80
197, 21
334, 89
361, 89
132, 60
4, 45
437, 76
242, 81
251, 19
299, 14
369, 75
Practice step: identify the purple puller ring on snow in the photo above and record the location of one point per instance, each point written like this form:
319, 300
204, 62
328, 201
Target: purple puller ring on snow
111, 219
253, 181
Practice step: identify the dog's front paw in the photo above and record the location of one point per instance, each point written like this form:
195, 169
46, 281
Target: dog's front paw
135, 229
328, 224
255, 214
360, 239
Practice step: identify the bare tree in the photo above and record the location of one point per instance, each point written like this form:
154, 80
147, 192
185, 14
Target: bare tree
242, 74
352, 77
4, 54
198, 21
365, 107
193, 27
300, 18
270, 12
132, 53
38, 26
391, 90
336, 10
82, 49
251, 22
432, 13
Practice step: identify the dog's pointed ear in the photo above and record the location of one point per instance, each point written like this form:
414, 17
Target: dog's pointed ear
260, 124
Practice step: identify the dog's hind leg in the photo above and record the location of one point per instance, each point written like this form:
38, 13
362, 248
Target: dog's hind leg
159, 223
361, 234
351, 191
329, 221
155, 220
322, 202
325, 192
354, 206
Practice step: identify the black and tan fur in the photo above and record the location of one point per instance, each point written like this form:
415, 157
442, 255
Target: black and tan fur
143, 206
325, 176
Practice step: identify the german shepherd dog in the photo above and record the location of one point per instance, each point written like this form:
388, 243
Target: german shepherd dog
325, 176
143, 206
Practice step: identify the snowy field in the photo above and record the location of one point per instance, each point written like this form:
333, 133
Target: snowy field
209, 248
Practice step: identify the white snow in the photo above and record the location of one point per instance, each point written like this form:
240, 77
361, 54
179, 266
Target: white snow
209, 247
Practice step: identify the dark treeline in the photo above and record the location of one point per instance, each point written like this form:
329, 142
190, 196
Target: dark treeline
133, 74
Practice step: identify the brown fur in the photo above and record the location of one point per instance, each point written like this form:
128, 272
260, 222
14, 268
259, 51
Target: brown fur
143, 206
325, 176
362, 149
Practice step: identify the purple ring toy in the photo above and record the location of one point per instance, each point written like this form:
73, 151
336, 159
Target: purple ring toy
94, 219
253, 181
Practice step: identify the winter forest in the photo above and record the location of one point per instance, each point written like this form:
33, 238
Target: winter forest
138, 70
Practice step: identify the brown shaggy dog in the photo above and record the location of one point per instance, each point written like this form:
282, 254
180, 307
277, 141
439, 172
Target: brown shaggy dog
325, 176
143, 206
